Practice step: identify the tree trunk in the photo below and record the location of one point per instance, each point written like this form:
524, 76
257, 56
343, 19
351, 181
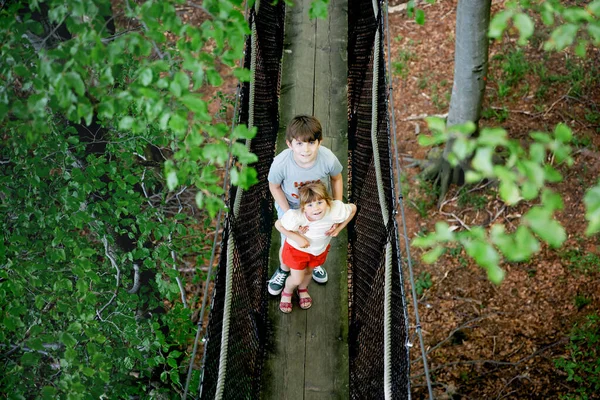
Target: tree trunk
470, 68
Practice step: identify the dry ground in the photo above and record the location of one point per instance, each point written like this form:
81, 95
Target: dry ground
488, 341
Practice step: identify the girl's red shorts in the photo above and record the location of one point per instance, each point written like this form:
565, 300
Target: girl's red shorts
296, 259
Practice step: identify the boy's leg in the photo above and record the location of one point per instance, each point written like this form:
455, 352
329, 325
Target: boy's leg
277, 281
319, 274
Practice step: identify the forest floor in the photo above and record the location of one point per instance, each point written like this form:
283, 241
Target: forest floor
486, 341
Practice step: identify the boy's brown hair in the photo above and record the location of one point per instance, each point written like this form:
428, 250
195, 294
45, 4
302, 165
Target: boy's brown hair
304, 128
313, 191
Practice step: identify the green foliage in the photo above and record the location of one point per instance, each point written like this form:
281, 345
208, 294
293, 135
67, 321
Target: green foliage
423, 282
88, 116
523, 175
400, 64
424, 197
318, 9
513, 67
579, 260
572, 24
583, 361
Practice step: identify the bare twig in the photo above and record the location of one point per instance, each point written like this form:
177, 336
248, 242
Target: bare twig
495, 362
449, 337
136, 280
113, 262
423, 116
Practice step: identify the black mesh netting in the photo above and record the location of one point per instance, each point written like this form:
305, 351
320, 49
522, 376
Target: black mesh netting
370, 236
251, 230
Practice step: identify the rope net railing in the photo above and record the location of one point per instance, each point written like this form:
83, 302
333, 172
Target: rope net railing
371, 324
250, 229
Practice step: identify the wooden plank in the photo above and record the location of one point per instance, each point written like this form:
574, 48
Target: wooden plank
327, 372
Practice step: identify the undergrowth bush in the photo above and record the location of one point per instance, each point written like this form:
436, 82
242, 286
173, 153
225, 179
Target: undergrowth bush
582, 364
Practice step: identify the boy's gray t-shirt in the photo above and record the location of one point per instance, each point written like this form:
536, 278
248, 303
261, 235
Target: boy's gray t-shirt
290, 176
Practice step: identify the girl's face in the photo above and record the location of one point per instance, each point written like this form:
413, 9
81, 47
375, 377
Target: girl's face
315, 210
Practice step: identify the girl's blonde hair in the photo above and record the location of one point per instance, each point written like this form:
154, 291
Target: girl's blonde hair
313, 191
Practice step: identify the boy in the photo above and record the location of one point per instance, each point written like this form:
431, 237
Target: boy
303, 162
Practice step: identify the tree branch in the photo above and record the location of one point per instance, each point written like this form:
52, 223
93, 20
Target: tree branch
108, 252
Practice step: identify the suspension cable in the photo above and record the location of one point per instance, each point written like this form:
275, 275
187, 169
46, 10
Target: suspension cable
402, 214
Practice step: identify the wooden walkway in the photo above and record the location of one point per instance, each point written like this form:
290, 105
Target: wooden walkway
308, 353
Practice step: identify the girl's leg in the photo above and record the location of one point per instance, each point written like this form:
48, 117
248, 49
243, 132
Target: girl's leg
291, 283
305, 299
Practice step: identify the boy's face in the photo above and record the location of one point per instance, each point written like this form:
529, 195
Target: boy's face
315, 210
305, 153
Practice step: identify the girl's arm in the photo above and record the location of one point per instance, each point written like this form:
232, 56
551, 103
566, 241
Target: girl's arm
295, 236
342, 225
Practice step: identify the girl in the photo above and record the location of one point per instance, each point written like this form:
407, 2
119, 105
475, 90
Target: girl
302, 252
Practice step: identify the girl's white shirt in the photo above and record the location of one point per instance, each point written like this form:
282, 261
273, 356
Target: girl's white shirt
292, 220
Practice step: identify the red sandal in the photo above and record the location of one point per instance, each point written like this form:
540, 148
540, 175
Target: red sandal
305, 302
285, 306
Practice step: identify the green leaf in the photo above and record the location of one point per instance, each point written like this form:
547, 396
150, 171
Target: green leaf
426, 140
443, 233
68, 339
551, 174
432, 255
492, 137
592, 206
482, 252
125, 123
562, 37
483, 160
145, 76
495, 274
576, 15
243, 74
436, 124
499, 23
594, 7
594, 31
541, 222
195, 104
420, 17
242, 132
552, 201
216, 152
424, 241
74, 81
563, 133
242, 153
525, 25
244, 178
509, 192
318, 9
172, 180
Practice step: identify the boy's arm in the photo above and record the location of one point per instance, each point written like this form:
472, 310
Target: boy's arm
279, 196
342, 225
337, 187
296, 237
